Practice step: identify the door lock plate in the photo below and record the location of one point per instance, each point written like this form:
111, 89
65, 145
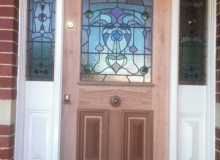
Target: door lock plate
66, 98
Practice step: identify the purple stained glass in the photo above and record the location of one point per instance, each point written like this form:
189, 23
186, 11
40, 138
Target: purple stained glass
116, 66
133, 49
118, 40
99, 48
117, 12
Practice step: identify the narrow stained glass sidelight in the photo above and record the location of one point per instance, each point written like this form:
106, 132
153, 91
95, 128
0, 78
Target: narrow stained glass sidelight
116, 40
192, 42
40, 40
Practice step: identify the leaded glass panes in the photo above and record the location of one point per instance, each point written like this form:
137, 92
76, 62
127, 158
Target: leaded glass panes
40, 40
192, 42
116, 40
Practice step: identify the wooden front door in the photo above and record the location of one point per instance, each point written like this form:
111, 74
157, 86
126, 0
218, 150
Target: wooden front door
136, 129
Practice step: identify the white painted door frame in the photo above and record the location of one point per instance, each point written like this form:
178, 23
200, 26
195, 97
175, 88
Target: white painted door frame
209, 134
20, 140
53, 111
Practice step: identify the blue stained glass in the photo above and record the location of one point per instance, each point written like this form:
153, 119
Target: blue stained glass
41, 36
118, 40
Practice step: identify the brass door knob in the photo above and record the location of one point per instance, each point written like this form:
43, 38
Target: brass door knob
115, 101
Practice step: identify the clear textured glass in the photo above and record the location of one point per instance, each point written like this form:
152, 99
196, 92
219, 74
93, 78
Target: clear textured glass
192, 42
40, 40
116, 40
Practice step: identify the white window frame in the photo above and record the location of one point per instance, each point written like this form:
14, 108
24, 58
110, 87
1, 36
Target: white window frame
20, 140
174, 74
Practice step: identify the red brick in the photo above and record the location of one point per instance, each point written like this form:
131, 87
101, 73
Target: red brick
218, 39
217, 132
218, 87
8, 94
218, 19
8, 70
217, 145
218, 53
8, 35
9, 24
7, 141
9, 12
7, 153
218, 64
8, 47
217, 8
217, 98
217, 30
217, 75
8, 59
217, 156
7, 130
7, 82
10, 2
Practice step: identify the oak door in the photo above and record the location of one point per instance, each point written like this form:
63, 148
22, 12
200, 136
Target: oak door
93, 125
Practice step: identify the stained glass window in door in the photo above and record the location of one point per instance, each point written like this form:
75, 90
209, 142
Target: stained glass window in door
192, 42
116, 40
40, 40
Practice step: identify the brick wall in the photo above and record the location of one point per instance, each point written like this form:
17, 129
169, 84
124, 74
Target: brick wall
218, 82
217, 144
8, 75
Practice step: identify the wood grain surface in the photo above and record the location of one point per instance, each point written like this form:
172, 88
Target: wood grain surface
150, 97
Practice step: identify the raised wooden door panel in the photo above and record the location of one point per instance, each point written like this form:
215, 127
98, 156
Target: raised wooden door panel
138, 135
91, 128
92, 139
109, 134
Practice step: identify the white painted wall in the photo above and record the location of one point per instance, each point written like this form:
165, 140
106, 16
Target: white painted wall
8, 109
217, 119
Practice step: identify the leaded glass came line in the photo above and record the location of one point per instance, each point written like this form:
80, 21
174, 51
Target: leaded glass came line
192, 42
116, 41
40, 40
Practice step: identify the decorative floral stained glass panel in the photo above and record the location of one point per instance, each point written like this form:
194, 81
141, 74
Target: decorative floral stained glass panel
40, 40
116, 40
192, 42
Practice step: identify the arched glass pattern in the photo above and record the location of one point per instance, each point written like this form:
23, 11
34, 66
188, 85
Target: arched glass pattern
116, 40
